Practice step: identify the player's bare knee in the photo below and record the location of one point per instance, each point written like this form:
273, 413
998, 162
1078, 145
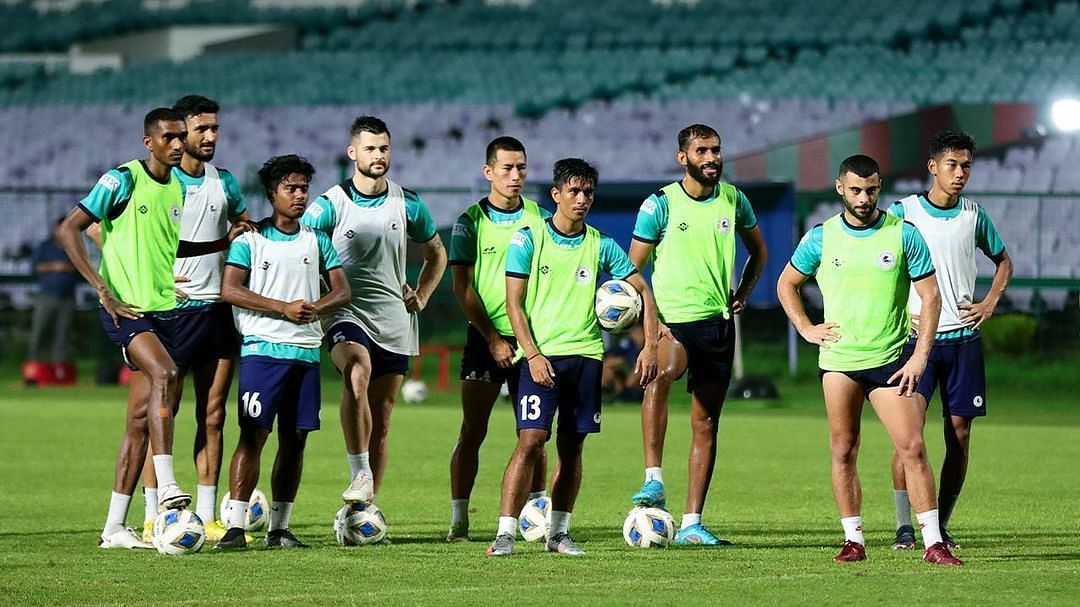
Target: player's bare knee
845, 450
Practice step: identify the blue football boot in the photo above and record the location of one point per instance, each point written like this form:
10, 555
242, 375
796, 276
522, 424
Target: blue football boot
651, 495
698, 535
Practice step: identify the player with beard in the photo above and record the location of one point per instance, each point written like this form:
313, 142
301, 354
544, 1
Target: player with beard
688, 230
865, 262
369, 218
212, 201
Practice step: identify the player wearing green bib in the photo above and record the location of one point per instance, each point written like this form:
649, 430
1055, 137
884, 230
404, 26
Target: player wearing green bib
551, 277
478, 248
139, 206
865, 262
688, 229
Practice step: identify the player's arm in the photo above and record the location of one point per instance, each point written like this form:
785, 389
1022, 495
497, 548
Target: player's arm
539, 366
473, 308
431, 272
788, 292
988, 240
758, 254
645, 367
234, 291
929, 313
340, 293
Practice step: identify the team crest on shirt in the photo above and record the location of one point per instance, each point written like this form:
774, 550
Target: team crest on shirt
393, 225
305, 260
583, 275
724, 226
174, 212
886, 260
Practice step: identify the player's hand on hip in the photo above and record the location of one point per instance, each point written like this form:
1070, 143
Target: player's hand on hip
974, 315
909, 376
180, 294
299, 311
541, 371
645, 367
501, 352
117, 309
413, 301
738, 303
822, 335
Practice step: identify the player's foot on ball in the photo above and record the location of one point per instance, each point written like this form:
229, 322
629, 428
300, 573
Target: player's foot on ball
459, 532
939, 554
698, 535
851, 551
148, 531
905, 538
172, 496
952, 545
125, 538
502, 546
361, 490
563, 544
283, 538
234, 539
651, 494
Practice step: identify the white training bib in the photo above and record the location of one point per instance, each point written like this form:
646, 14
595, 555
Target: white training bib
204, 219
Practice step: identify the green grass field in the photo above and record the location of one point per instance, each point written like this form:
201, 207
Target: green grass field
1017, 521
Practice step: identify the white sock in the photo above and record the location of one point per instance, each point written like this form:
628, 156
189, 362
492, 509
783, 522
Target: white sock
654, 474
853, 529
536, 494
508, 525
689, 520
150, 509
279, 515
206, 502
560, 523
118, 507
930, 527
903, 508
359, 462
236, 514
459, 511
163, 468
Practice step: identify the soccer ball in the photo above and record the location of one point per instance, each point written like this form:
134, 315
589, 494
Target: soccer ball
258, 514
413, 391
359, 524
648, 527
178, 532
535, 519
618, 305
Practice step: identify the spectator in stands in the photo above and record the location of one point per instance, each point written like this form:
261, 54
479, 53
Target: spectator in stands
53, 311
619, 381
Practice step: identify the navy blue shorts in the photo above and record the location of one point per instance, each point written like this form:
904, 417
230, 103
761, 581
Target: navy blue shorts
710, 350
383, 361
478, 365
956, 365
873, 378
207, 333
576, 396
174, 329
286, 389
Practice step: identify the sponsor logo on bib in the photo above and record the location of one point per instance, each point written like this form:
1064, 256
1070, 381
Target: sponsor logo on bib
684, 226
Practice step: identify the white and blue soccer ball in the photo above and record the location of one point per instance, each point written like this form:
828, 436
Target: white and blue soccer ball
178, 532
647, 527
359, 524
618, 305
414, 391
535, 519
258, 514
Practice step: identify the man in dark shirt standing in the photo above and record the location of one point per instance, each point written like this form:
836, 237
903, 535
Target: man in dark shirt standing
53, 310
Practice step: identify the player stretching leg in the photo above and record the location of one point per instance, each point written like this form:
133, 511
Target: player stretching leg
550, 289
865, 261
371, 338
953, 228
688, 229
478, 262
212, 201
138, 205
272, 278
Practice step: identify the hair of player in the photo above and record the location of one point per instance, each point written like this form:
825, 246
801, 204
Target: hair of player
506, 144
950, 139
860, 164
568, 169
275, 170
368, 124
160, 114
193, 105
695, 131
